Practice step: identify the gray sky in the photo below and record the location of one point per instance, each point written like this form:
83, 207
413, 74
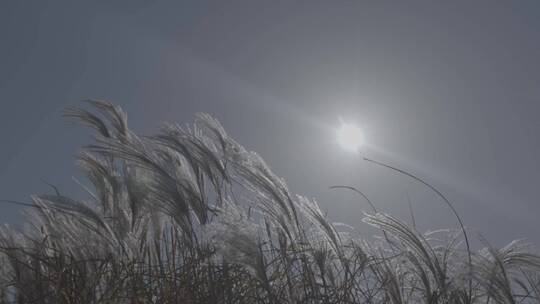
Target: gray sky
447, 90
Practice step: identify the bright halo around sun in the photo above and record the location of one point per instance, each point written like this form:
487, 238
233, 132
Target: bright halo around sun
350, 137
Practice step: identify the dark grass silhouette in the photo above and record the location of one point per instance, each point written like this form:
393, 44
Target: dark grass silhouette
189, 216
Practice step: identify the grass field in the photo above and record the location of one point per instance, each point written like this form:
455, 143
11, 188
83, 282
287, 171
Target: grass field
190, 216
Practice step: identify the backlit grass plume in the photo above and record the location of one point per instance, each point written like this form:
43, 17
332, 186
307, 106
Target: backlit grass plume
190, 216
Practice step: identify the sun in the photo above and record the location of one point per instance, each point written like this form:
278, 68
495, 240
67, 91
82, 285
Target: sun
350, 137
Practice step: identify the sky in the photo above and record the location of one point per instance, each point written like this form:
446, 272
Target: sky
447, 90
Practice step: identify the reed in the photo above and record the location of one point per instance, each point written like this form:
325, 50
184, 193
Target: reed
190, 216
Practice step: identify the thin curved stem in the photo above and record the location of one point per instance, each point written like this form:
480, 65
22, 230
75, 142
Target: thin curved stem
359, 192
32, 205
370, 204
13, 202
443, 198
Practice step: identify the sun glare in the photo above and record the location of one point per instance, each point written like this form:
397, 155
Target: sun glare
350, 137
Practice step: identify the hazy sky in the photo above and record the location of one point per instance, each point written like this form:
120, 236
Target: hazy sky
448, 90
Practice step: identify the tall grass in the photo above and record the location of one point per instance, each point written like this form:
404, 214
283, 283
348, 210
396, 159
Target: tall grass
190, 216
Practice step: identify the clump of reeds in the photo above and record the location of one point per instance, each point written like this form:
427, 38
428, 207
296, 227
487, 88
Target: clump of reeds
190, 216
